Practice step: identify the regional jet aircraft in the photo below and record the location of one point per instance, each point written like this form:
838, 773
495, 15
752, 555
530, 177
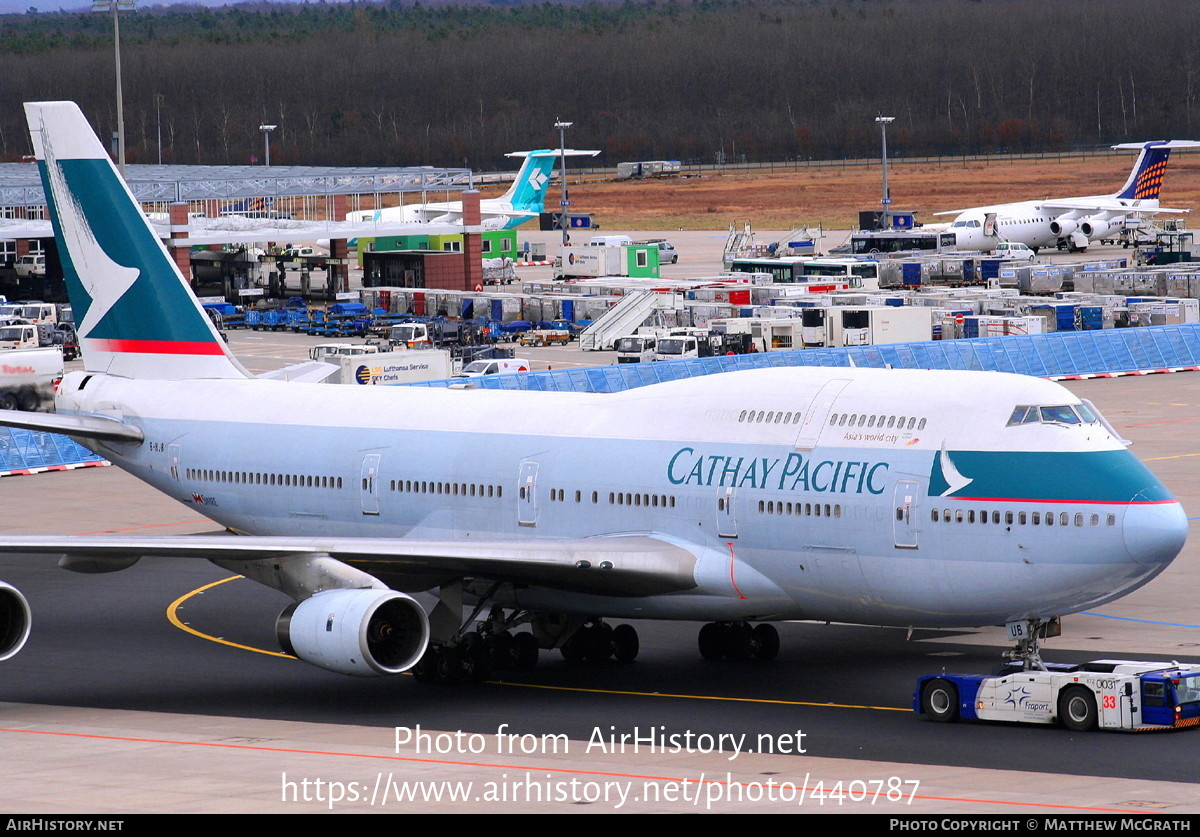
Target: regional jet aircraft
1072, 223
523, 201
880, 497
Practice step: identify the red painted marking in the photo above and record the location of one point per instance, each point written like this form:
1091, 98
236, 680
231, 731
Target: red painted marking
732, 561
157, 347
146, 526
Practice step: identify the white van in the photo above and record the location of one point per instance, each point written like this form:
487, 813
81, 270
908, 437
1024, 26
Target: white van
30, 265
495, 366
610, 241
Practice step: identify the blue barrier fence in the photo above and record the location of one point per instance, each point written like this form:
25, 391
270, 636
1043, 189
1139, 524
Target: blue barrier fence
1041, 355
26, 449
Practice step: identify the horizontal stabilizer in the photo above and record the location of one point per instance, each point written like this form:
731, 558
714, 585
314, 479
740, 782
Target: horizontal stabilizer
553, 152
311, 372
1172, 144
83, 427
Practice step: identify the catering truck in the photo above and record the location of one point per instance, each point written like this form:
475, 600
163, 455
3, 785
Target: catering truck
1103, 694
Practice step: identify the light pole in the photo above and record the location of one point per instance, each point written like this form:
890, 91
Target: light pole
158, 100
267, 129
564, 203
887, 197
115, 6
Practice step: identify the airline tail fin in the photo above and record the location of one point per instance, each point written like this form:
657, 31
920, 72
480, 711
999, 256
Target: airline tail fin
135, 315
528, 191
1146, 179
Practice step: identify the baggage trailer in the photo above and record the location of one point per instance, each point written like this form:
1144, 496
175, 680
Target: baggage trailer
1103, 694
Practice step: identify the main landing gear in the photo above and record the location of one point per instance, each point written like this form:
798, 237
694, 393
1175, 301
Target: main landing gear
477, 656
738, 641
597, 641
473, 649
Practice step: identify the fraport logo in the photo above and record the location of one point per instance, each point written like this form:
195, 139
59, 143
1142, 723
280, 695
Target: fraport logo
363, 374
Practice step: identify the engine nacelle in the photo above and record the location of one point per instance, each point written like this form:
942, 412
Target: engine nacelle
15, 620
1099, 227
366, 633
1063, 225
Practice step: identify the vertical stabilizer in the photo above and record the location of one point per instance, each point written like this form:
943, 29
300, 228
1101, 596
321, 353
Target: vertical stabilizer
1146, 180
528, 191
134, 313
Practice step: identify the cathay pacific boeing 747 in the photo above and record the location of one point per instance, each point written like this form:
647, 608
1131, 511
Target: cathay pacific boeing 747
880, 497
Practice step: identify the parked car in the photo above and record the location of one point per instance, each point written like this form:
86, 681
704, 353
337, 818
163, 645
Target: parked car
1015, 250
666, 251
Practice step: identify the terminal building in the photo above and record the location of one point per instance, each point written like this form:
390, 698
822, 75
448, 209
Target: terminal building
218, 222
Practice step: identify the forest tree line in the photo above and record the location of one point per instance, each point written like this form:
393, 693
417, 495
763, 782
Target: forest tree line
461, 83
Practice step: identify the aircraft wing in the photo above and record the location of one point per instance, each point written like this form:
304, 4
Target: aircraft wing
626, 565
1086, 206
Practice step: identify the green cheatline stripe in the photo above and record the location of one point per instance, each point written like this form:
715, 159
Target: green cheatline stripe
1096, 476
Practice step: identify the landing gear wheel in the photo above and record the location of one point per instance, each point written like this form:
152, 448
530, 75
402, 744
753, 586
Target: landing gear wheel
599, 643
625, 643
525, 651
503, 651
449, 666
1077, 709
576, 647
712, 641
425, 671
939, 701
475, 655
766, 642
739, 642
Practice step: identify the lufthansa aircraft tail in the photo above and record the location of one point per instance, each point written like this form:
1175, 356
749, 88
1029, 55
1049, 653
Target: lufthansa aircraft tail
1146, 180
135, 315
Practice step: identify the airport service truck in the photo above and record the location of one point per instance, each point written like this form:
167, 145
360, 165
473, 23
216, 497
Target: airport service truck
390, 368
1104, 694
28, 376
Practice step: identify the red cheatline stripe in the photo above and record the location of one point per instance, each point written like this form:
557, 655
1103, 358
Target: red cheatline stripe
157, 347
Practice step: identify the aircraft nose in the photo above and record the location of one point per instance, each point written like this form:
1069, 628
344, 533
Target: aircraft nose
1154, 532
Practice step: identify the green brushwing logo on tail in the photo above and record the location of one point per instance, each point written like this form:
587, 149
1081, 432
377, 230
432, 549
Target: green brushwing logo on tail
132, 309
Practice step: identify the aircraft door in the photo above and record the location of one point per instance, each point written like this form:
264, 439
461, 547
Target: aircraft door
818, 412
527, 504
989, 225
173, 459
904, 514
726, 521
369, 490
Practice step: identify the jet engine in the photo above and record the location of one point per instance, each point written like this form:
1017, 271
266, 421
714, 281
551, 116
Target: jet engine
14, 620
366, 633
1098, 227
1064, 225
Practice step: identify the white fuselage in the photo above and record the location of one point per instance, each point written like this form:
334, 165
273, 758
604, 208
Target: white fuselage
871, 496
1033, 222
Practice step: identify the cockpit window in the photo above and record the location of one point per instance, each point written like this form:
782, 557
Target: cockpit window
1054, 414
1064, 414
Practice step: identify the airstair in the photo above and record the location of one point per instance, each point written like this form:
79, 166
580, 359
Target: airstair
624, 318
